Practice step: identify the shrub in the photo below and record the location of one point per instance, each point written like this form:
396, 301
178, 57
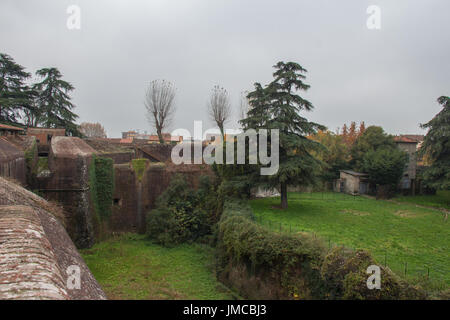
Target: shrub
346, 277
179, 216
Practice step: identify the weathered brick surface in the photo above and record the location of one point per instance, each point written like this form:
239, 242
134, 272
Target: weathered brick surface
57, 245
28, 267
12, 161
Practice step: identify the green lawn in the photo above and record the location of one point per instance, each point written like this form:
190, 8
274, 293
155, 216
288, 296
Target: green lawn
403, 235
132, 267
440, 200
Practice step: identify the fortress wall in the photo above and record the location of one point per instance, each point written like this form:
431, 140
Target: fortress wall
133, 199
119, 157
124, 210
12, 161
69, 162
36, 251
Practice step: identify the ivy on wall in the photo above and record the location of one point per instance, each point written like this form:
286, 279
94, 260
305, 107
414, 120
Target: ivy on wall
101, 181
31, 168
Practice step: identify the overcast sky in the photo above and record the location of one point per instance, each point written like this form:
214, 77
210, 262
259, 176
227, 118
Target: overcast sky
389, 77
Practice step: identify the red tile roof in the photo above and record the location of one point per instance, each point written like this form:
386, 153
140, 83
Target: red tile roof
127, 140
6, 127
404, 139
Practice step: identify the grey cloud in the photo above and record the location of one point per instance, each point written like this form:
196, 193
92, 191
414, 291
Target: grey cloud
389, 77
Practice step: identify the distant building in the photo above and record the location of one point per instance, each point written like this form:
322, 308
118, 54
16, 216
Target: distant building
409, 144
135, 135
45, 135
169, 139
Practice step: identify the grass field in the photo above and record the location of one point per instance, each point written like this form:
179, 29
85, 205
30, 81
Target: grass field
132, 267
440, 200
403, 236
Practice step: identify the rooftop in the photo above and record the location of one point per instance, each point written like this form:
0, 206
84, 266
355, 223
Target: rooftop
70, 147
405, 139
7, 127
354, 173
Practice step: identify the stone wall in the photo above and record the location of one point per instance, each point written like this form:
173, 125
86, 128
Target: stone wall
69, 162
134, 197
119, 157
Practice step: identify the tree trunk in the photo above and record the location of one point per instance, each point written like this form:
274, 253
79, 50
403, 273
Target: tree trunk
284, 201
160, 136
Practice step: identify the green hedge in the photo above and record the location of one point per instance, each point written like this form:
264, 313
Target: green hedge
262, 264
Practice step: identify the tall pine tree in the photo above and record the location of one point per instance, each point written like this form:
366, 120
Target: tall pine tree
15, 95
436, 145
55, 107
278, 106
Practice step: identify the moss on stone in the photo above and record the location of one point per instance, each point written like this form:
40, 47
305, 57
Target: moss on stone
139, 166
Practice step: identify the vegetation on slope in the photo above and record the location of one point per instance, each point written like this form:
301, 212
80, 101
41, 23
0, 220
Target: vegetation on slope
262, 264
401, 236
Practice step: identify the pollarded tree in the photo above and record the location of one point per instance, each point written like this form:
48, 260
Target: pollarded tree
436, 146
160, 105
15, 96
219, 108
55, 107
278, 106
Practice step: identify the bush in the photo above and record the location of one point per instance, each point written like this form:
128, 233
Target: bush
346, 277
265, 265
180, 215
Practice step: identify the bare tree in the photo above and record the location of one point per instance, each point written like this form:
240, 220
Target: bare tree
219, 107
159, 102
92, 130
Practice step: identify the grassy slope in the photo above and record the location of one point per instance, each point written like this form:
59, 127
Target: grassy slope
440, 200
404, 232
132, 267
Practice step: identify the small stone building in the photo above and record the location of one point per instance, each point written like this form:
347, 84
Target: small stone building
352, 182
